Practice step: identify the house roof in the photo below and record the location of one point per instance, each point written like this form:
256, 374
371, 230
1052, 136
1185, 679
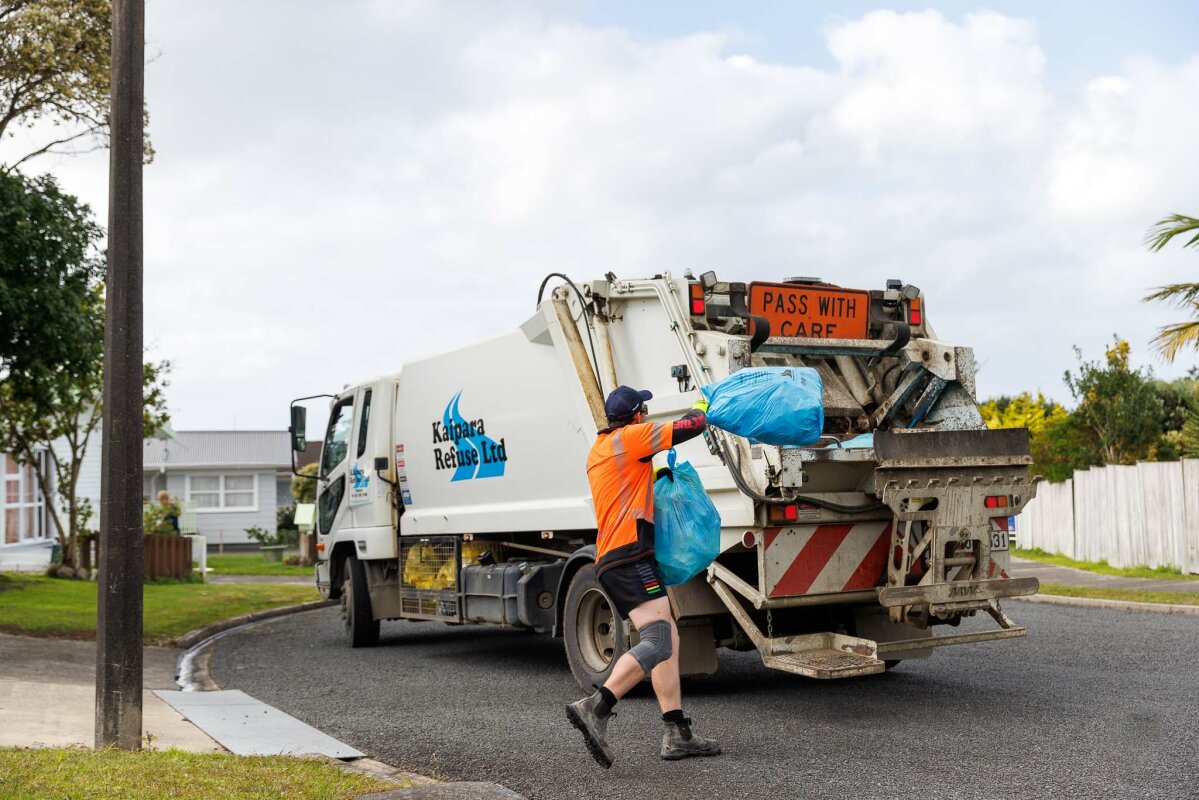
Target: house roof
219, 449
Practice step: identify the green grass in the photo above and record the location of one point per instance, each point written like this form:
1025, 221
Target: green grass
253, 564
1102, 567
1128, 595
38, 606
68, 773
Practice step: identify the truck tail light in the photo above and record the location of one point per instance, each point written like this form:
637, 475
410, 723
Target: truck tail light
997, 501
779, 514
697, 300
914, 312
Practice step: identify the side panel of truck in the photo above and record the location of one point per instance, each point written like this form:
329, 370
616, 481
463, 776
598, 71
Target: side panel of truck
491, 440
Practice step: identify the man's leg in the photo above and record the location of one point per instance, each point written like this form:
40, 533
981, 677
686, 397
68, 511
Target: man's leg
658, 645
677, 740
665, 676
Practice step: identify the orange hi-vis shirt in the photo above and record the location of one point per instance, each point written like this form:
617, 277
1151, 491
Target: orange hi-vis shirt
622, 488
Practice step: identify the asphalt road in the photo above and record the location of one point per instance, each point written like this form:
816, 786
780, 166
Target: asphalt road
1094, 704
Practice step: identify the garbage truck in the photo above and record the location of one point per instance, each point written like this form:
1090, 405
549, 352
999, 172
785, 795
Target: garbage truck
455, 489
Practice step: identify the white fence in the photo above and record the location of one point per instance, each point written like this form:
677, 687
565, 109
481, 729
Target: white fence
1127, 516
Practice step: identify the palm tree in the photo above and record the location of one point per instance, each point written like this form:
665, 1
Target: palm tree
1170, 339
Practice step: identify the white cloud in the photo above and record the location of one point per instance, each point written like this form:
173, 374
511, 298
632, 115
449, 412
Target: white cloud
921, 84
342, 187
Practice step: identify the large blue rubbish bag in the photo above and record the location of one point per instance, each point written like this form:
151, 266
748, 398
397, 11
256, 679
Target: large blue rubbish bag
686, 524
772, 405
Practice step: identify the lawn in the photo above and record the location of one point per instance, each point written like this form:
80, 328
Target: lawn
1102, 567
1129, 595
38, 606
62, 774
252, 564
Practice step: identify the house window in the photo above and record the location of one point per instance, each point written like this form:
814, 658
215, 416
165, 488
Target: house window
223, 492
22, 507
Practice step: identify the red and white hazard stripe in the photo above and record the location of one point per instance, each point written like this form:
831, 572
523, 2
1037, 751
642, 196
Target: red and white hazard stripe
811, 559
998, 524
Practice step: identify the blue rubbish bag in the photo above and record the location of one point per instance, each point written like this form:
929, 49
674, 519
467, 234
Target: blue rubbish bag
773, 405
686, 524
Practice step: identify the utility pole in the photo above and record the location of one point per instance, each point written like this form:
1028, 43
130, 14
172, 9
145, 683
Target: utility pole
119, 623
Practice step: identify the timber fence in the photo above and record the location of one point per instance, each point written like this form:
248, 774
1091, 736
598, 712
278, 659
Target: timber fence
1126, 515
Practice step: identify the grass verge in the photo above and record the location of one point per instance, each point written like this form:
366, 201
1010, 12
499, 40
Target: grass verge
62, 773
253, 564
38, 606
1102, 567
1127, 595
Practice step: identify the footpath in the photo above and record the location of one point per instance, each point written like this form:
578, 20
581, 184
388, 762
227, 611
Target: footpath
47, 699
1068, 576
48, 696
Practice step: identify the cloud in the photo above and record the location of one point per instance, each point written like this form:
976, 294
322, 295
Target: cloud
337, 193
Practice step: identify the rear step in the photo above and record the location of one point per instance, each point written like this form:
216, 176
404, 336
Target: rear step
835, 655
830, 656
814, 655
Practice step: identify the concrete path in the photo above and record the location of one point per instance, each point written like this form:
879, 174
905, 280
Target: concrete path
48, 696
1050, 573
291, 580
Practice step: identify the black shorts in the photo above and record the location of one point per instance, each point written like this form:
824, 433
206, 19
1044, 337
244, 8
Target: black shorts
629, 585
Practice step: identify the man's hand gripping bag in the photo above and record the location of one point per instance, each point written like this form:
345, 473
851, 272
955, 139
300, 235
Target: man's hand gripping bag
686, 524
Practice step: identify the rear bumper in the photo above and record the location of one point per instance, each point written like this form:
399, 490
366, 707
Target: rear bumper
957, 595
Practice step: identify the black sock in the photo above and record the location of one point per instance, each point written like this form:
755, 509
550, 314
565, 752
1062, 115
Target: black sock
675, 716
607, 701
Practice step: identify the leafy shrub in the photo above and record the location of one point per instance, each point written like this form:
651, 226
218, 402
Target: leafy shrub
267, 539
156, 516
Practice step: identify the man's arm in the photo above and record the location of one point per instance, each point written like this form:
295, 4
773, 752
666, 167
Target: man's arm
655, 438
691, 425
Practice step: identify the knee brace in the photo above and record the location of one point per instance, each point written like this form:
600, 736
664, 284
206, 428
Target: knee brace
655, 645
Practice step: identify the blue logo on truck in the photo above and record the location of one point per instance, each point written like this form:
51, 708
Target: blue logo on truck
461, 445
360, 478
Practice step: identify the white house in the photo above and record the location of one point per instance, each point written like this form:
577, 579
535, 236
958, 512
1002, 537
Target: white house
234, 479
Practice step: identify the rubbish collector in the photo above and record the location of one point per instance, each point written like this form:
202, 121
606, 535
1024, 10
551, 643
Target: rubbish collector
621, 474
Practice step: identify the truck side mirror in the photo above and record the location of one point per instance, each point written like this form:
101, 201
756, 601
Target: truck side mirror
299, 422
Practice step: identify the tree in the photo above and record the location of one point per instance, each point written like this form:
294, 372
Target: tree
1170, 339
304, 489
49, 271
1022, 411
1051, 436
1117, 405
54, 406
55, 68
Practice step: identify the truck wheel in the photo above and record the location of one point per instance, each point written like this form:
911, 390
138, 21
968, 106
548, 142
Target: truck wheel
594, 633
362, 629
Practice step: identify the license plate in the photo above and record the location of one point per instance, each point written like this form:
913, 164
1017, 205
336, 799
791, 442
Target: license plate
811, 311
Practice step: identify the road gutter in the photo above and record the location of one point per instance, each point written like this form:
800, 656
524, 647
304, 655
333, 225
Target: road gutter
192, 675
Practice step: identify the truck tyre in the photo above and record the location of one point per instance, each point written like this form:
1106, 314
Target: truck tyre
362, 629
593, 632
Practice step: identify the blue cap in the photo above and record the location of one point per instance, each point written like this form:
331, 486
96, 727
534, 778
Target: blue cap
623, 402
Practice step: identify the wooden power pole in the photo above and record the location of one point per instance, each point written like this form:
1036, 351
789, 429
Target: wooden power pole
119, 623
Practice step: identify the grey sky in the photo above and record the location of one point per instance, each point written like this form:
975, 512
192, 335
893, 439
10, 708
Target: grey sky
343, 186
